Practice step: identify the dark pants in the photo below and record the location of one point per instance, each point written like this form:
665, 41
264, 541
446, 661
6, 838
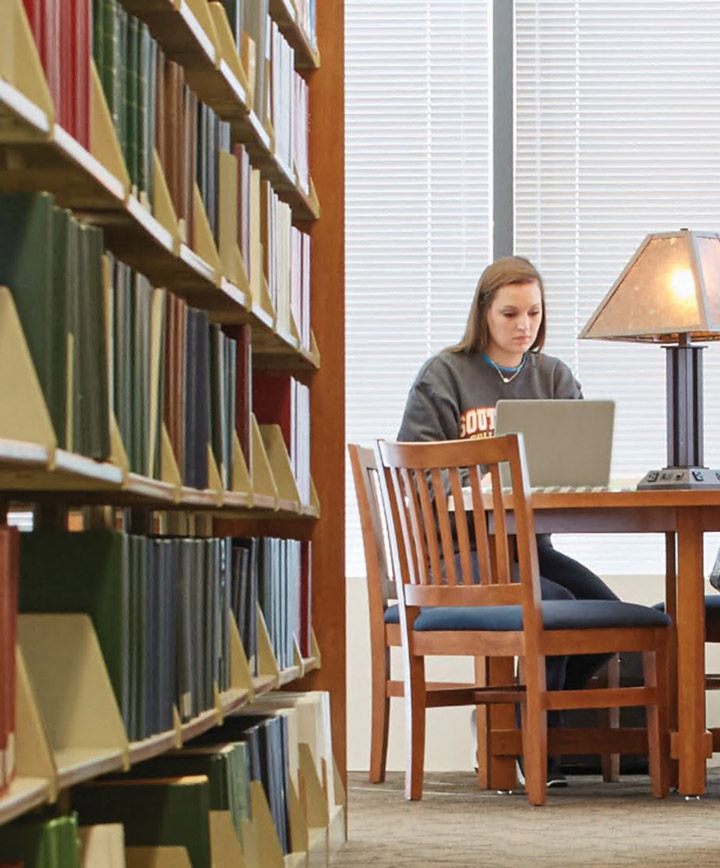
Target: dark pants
562, 578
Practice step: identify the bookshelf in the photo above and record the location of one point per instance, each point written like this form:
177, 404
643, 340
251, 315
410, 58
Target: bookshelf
70, 728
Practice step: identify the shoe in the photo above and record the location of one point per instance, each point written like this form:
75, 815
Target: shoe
555, 777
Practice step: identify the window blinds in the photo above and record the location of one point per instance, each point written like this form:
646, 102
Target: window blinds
617, 135
418, 225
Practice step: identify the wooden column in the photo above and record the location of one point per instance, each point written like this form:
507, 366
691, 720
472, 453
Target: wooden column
327, 395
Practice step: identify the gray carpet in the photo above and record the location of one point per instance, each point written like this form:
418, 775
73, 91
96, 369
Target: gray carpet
589, 823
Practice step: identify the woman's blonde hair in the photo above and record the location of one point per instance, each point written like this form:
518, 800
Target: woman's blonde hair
503, 272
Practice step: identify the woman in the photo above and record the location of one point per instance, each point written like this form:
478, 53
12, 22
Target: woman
454, 397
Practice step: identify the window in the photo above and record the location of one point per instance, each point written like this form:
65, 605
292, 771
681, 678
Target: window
617, 135
418, 223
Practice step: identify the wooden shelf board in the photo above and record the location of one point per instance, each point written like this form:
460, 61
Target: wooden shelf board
89, 165
290, 674
263, 684
233, 699
15, 453
194, 43
150, 489
64, 168
306, 55
22, 120
264, 501
152, 746
296, 860
204, 271
194, 497
176, 29
152, 227
220, 89
310, 511
95, 473
183, 39
236, 500
23, 795
309, 664
268, 360
198, 725
71, 473
75, 765
288, 506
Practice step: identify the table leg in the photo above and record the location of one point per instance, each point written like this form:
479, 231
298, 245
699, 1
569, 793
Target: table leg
672, 674
691, 743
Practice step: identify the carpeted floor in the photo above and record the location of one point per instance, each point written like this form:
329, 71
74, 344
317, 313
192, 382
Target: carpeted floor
589, 823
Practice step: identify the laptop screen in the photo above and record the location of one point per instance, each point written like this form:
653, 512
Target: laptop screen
567, 442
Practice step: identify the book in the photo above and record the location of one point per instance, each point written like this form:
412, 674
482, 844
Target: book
153, 811
41, 842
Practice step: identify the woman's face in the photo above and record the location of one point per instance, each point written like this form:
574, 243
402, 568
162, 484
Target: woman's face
513, 319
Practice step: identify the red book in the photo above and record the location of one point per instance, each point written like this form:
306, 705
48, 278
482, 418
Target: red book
51, 49
66, 49
272, 402
80, 77
34, 10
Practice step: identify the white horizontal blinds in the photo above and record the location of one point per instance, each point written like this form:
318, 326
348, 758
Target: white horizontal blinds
417, 199
617, 135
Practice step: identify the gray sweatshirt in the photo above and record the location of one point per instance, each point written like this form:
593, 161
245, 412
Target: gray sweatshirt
454, 395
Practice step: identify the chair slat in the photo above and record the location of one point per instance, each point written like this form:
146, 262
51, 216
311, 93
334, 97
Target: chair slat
417, 523
429, 523
482, 545
461, 528
502, 558
443, 519
463, 595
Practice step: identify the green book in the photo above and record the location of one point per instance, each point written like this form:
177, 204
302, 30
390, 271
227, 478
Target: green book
58, 346
27, 269
144, 92
110, 56
98, 34
83, 572
132, 76
93, 425
40, 843
156, 812
225, 766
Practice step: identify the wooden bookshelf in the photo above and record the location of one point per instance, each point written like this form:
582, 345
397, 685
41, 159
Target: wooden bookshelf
68, 736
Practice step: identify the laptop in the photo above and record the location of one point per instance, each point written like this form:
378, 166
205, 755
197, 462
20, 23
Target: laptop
568, 443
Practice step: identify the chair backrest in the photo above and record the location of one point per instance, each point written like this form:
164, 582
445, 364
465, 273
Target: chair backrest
381, 585
447, 557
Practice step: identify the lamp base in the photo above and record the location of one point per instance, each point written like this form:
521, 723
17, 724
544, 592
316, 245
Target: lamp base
702, 478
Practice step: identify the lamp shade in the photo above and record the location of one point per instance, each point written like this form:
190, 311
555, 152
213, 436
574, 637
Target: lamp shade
670, 287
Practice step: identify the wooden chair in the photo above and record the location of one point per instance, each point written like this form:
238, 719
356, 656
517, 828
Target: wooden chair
384, 617
478, 609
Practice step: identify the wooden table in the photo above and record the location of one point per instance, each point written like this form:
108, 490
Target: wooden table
684, 517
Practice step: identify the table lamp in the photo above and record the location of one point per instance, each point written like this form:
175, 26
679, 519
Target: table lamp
669, 293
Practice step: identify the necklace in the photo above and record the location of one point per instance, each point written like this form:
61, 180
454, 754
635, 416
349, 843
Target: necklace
515, 371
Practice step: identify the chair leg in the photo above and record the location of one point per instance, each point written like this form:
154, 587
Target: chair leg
380, 716
534, 733
415, 705
611, 718
655, 669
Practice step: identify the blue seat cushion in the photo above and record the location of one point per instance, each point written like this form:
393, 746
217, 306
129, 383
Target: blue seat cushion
557, 615
712, 607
